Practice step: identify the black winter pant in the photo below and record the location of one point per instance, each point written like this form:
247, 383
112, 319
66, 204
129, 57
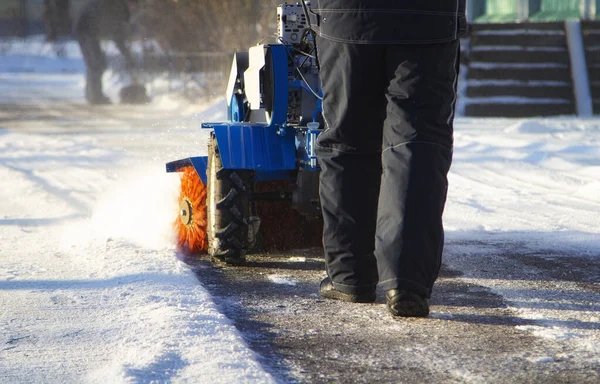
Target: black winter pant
385, 156
95, 65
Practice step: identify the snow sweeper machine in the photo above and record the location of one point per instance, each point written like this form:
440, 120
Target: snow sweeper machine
258, 186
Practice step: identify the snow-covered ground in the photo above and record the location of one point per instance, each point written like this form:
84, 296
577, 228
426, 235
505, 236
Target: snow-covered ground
90, 285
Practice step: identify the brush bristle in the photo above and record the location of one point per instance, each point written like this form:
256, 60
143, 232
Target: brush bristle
282, 228
192, 238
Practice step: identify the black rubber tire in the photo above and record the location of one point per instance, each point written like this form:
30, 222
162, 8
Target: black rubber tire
228, 209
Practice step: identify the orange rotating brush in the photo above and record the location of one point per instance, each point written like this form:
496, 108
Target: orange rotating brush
192, 222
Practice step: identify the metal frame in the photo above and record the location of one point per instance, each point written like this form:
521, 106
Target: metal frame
273, 150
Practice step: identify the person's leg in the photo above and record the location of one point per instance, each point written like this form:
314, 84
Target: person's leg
349, 152
416, 157
94, 93
95, 62
48, 18
63, 17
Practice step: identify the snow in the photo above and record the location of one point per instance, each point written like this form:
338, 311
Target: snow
529, 83
515, 100
91, 289
519, 32
536, 176
516, 48
488, 65
281, 279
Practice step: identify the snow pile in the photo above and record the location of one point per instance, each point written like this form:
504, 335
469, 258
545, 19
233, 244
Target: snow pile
534, 181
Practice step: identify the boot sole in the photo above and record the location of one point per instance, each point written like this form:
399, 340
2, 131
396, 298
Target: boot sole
348, 297
408, 309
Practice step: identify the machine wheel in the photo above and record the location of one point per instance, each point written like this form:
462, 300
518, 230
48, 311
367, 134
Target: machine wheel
227, 209
191, 223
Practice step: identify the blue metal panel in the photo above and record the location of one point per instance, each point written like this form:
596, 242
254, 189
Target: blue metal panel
176, 165
274, 151
200, 163
300, 84
255, 146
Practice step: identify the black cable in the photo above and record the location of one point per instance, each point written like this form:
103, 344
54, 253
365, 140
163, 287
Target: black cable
305, 8
311, 31
308, 56
291, 58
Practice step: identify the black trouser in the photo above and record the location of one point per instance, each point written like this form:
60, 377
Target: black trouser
385, 155
95, 65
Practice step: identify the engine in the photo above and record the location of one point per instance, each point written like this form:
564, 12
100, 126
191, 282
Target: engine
278, 83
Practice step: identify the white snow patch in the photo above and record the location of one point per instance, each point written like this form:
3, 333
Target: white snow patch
282, 280
549, 332
297, 259
519, 32
543, 359
466, 376
494, 65
515, 100
529, 83
516, 48
441, 316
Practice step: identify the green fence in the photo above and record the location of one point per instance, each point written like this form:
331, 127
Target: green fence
499, 11
556, 10
502, 11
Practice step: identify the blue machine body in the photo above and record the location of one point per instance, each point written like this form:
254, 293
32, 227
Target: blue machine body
274, 150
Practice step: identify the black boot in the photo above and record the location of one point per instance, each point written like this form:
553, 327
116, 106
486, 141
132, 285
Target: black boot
99, 100
328, 291
93, 88
405, 303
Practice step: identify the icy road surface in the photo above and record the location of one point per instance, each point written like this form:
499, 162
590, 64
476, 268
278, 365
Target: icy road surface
91, 289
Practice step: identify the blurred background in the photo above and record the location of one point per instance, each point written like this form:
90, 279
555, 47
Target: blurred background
187, 42
522, 58
181, 25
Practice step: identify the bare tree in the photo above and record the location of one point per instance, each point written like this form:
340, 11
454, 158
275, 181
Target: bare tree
208, 25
